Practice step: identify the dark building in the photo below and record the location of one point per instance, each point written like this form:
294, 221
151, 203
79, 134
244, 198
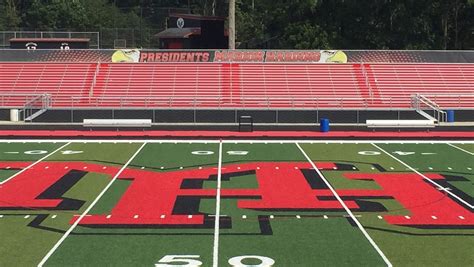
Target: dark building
187, 31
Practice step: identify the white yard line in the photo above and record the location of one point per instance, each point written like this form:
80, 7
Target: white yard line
33, 164
426, 178
361, 228
463, 150
56, 246
215, 255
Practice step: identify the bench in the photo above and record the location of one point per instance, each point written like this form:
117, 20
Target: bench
116, 123
400, 123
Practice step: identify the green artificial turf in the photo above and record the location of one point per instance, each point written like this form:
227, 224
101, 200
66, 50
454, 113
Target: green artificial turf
297, 238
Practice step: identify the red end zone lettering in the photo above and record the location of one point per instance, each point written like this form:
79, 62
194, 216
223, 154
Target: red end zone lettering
428, 205
27, 189
154, 198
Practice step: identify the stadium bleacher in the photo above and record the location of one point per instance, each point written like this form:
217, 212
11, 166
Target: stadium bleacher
240, 85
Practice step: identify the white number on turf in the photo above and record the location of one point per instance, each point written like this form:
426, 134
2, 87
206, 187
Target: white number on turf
71, 152
369, 153
264, 261
41, 152
192, 261
179, 260
231, 153
237, 153
36, 152
401, 153
202, 153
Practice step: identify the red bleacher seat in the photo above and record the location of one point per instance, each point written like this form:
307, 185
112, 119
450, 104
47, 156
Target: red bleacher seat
240, 85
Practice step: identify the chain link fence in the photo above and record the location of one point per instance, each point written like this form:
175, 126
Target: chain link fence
5, 36
111, 38
105, 38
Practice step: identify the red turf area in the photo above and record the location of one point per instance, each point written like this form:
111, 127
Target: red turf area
234, 134
150, 198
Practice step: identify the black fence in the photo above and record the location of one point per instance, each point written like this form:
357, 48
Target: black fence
222, 116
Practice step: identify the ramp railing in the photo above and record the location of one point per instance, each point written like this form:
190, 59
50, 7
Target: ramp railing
36, 106
422, 104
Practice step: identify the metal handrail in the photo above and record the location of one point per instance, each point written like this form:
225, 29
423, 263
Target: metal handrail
213, 102
94, 80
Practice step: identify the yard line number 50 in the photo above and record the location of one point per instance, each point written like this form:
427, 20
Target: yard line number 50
192, 261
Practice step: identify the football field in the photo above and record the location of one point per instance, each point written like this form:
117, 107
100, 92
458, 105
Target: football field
236, 203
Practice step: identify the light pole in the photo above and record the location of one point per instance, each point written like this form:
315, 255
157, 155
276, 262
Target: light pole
232, 24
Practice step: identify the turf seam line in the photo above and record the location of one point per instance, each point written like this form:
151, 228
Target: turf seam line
463, 150
359, 225
215, 255
60, 241
34, 163
426, 178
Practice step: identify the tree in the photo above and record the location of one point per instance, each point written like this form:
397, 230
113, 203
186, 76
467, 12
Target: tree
302, 24
54, 15
9, 15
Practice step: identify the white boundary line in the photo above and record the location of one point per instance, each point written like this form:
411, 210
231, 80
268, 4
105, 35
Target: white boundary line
246, 141
361, 228
114, 141
345, 141
426, 178
34, 163
463, 150
215, 255
56, 246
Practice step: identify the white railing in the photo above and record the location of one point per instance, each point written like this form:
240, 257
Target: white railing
213, 102
36, 106
450, 100
94, 80
30, 105
9, 100
422, 104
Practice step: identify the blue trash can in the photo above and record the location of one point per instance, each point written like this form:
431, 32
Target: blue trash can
324, 125
450, 115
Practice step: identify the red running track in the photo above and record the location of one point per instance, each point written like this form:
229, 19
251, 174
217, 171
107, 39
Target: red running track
233, 134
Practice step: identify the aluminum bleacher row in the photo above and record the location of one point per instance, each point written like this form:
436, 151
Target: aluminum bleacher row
238, 85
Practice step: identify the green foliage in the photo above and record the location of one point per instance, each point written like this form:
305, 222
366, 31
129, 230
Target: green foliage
9, 14
304, 35
56, 15
300, 24
352, 24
